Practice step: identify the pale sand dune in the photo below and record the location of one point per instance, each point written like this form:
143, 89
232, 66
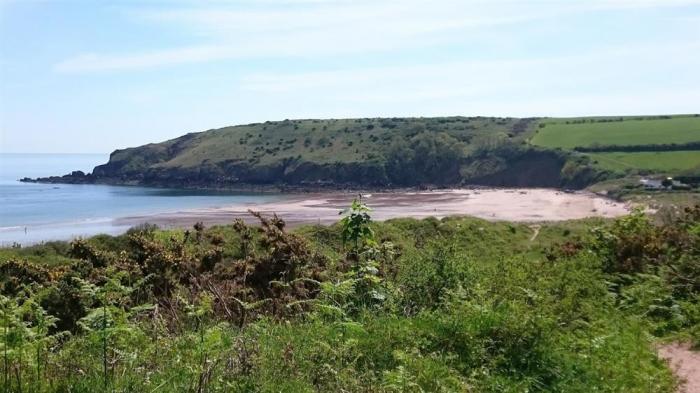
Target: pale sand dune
520, 205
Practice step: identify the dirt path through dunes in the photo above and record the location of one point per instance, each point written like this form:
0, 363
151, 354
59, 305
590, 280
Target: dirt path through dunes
535, 231
685, 363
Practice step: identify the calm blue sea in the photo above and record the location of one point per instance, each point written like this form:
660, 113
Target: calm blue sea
31, 213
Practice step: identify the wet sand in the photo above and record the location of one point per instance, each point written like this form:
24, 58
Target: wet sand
518, 205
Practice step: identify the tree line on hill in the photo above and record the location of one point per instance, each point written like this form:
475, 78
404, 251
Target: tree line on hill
597, 148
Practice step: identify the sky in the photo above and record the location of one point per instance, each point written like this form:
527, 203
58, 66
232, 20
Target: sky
93, 76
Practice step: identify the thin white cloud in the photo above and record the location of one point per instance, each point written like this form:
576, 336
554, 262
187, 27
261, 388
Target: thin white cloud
406, 17
95, 62
622, 4
588, 67
609, 75
658, 100
320, 29
289, 28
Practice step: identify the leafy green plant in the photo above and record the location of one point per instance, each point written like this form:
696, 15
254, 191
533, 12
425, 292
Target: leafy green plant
355, 226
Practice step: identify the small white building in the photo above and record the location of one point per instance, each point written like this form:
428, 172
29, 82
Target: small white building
651, 184
671, 184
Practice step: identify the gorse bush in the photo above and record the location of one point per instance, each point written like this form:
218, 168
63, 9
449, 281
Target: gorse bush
632, 245
430, 305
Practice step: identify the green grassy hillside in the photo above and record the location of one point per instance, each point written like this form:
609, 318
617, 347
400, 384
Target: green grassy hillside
662, 145
621, 131
328, 141
390, 152
337, 140
665, 162
408, 152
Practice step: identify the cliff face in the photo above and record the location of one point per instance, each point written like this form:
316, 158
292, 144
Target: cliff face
342, 153
532, 169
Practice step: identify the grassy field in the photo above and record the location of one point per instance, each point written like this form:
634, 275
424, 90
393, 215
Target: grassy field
664, 200
670, 162
570, 133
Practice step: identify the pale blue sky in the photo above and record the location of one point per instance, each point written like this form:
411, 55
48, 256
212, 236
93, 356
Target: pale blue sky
93, 76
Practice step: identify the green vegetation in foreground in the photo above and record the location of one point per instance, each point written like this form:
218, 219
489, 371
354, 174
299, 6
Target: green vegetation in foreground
586, 132
665, 162
450, 305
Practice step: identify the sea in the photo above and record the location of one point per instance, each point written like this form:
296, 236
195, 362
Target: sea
34, 213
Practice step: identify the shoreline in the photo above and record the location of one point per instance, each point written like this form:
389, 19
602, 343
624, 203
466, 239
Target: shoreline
524, 205
310, 188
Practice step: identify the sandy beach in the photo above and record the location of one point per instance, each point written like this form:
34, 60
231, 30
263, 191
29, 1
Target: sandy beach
519, 205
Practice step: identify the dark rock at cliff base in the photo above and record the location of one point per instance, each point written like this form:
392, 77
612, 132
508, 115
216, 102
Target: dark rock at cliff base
75, 177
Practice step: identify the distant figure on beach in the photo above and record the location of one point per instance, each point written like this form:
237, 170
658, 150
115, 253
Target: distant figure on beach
25, 230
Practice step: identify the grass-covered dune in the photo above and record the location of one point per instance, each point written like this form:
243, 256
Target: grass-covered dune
388, 152
451, 305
